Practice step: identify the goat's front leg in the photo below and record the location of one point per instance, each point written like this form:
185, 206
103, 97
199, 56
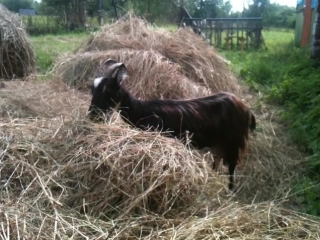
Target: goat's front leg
216, 153
216, 163
231, 177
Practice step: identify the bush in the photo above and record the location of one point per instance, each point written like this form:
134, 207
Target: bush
292, 80
299, 92
300, 95
288, 78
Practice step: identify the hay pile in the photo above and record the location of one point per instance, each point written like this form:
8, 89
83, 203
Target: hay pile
30, 99
151, 75
63, 177
17, 59
157, 59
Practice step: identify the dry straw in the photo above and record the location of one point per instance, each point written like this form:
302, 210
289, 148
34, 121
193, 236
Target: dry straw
17, 58
151, 75
194, 58
35, 99
64, 177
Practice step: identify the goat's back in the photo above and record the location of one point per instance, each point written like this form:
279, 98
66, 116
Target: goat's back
211, 120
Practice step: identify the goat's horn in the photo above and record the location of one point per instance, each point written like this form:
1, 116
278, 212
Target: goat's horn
109, 62
111, 71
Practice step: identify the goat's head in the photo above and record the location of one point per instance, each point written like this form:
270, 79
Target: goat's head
106, 90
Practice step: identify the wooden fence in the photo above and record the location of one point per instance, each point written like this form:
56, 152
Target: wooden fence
228, 33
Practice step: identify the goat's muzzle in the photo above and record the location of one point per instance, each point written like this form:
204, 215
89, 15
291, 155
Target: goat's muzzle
95, 115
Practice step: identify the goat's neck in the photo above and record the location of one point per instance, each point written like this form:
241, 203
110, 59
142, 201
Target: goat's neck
129, 107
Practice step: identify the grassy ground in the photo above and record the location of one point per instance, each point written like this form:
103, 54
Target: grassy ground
263, 66
49, 47
288, 78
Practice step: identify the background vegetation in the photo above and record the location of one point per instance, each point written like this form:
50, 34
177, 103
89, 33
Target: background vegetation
284, 73
289, 79
56, 16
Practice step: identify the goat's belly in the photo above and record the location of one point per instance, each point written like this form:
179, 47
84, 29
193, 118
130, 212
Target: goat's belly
202, 141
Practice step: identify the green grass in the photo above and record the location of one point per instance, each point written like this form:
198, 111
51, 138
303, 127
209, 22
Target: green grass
50, 21
288, 77
49, 47
263, 66
169, 27
42, 25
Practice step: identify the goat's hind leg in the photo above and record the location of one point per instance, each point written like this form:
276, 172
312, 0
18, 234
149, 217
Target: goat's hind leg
216, 163
216, 154
231, 160
232, 168
230, 157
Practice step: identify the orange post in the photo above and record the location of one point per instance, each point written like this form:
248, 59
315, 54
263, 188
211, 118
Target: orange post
306, 24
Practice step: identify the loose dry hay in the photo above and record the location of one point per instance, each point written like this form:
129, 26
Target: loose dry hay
151, 75
110, 170
132, 184
17, 58
53, 164
39, 99
197, 60
258, 221
64, 177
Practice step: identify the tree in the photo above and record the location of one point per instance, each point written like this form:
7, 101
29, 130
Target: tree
315, 47
15, 5
226, 9
256, 8
276, 15
70, 13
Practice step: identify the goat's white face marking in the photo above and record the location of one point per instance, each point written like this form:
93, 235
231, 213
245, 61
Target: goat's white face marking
97, 81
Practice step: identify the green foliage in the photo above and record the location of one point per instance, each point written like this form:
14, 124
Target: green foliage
265, 67
273, 14
41, 25
300, 94
15, 5
210, 8
257, 8
49, 47
308, 194
288, 77
282, 16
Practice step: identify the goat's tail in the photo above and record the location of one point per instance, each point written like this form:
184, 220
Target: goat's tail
252, 122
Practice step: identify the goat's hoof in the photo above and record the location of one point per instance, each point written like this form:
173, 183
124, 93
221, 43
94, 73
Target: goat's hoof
232, 190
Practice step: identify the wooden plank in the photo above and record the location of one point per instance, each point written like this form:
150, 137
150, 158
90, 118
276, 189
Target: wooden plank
306, 24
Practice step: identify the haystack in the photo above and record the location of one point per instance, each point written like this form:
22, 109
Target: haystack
113, 168
142, 46
198, 60
152, 76
64, 177
30, 99
17, 58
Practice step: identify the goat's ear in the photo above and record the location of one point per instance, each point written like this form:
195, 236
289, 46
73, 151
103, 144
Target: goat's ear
120, 73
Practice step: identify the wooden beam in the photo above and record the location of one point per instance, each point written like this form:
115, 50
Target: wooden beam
306, 24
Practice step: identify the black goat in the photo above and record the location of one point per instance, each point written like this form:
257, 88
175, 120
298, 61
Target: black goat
220, 122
